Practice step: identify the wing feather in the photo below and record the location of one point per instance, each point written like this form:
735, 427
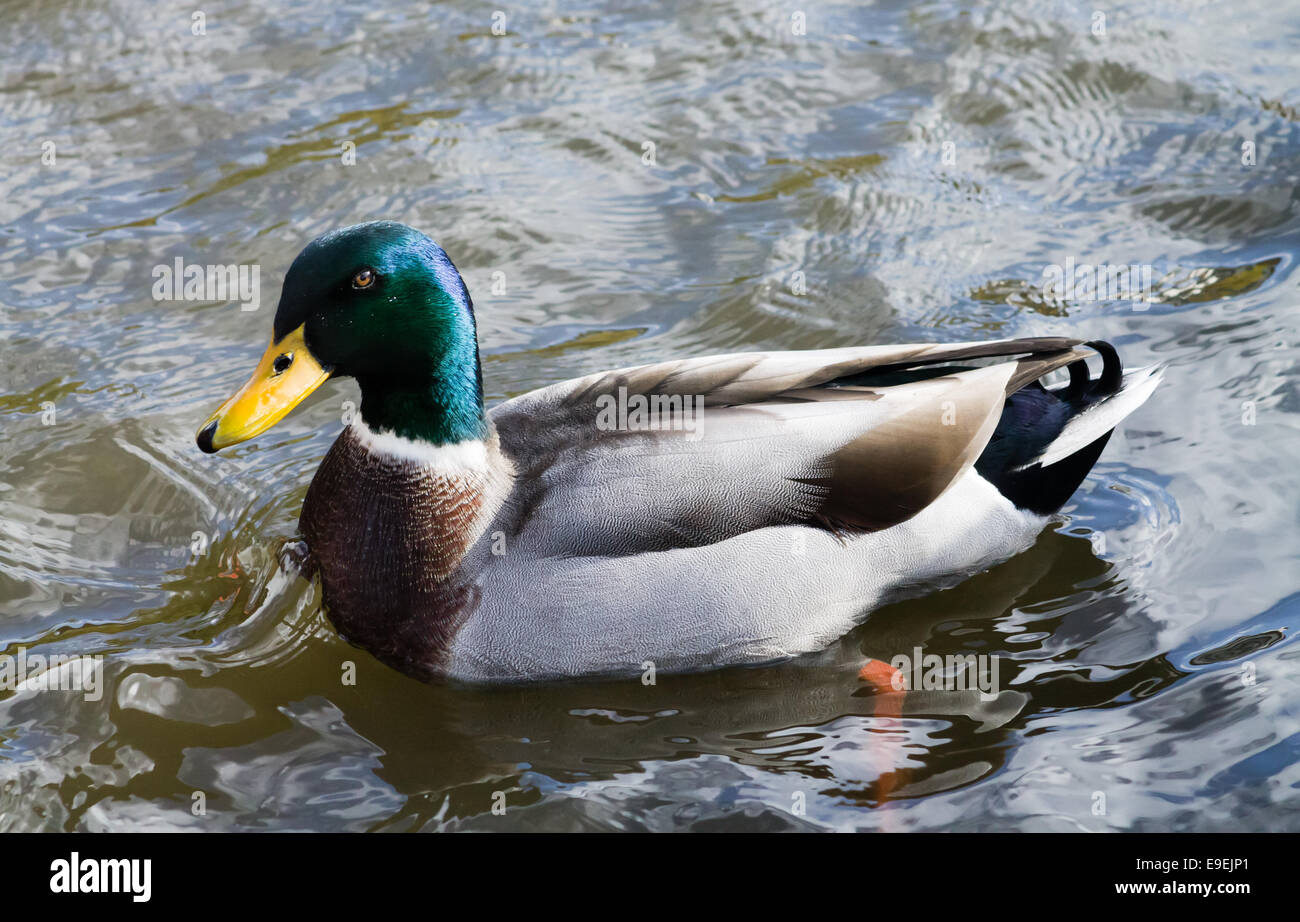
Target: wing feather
784, 437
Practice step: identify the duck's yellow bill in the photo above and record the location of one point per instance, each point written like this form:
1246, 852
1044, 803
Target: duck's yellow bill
286, 374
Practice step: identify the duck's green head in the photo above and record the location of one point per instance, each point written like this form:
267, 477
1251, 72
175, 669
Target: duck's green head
379, 302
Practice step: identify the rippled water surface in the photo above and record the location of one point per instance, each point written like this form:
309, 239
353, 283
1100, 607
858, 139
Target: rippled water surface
918, 164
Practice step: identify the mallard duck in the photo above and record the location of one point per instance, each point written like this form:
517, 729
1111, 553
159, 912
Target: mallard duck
685, 515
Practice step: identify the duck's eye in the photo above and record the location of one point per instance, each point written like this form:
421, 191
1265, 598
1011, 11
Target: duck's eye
282, 362
364, 279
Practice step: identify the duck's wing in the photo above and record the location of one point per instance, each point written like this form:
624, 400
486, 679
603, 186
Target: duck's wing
856, 438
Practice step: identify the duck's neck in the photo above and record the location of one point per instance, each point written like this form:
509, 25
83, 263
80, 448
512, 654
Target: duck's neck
443, 408
451, 471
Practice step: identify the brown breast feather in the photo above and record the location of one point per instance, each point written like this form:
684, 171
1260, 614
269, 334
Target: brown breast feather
389, 538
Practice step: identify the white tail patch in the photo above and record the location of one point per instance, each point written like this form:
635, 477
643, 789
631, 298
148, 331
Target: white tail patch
1101, 417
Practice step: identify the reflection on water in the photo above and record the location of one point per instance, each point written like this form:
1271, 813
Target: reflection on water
619, 183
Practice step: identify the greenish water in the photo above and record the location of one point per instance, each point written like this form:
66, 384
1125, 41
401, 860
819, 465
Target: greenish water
919, 165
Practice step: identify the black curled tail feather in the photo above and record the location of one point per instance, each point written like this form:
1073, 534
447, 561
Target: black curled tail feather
1032, 418
1083, 389
1112, 370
